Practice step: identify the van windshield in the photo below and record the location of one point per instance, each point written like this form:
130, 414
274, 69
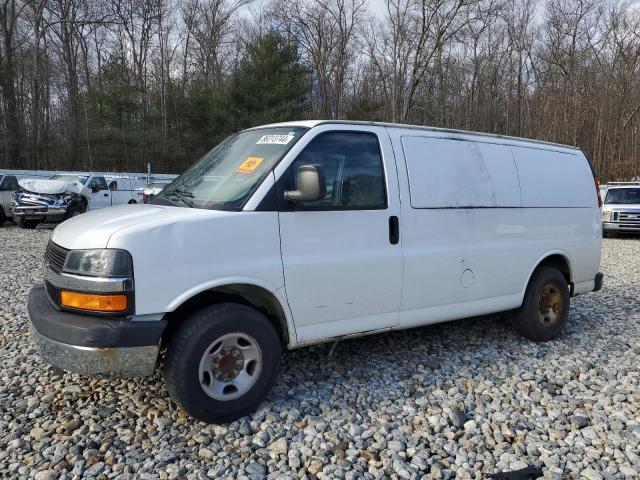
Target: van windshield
226, 176
624, 196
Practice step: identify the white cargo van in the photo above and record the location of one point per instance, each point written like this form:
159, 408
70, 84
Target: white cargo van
621, 209
297, 233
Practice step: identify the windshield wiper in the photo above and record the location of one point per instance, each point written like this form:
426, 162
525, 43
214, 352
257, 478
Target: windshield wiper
182, 195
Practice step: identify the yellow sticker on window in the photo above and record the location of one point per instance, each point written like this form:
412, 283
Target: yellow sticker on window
249, 164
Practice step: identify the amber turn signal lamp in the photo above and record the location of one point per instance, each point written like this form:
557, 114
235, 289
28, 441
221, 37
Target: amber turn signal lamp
91, 301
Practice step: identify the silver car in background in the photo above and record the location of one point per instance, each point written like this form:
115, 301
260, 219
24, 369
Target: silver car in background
621, 209
151, 190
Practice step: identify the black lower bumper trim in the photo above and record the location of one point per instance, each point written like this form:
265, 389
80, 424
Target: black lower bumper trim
597, 282
90, 331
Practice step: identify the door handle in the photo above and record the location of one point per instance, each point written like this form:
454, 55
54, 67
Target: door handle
394, 230
106, 194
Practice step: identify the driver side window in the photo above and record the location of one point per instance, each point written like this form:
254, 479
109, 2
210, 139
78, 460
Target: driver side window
353, 170
98, 183
9, 184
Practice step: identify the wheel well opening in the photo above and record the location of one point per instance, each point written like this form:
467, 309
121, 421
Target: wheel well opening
558, 262
249, 295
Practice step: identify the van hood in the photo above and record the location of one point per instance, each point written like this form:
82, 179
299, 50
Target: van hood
94, 229
622, 206
52, 187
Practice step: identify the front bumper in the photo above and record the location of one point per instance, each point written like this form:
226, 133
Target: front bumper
107, 347
620, 227
37, 212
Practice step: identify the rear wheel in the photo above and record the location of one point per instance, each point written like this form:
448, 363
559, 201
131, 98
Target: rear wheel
545, 309
222, 362
28, 224
3, 217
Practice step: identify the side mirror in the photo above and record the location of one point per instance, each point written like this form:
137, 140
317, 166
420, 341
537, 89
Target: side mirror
95, 188
311, 185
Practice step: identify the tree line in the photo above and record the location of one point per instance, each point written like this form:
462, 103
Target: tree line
114, 84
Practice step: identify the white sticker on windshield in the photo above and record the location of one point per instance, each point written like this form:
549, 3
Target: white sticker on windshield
274, 139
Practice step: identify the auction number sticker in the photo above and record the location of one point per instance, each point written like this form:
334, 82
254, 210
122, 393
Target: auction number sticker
274, 140
249, 164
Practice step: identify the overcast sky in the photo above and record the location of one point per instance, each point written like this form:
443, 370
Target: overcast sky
377, 7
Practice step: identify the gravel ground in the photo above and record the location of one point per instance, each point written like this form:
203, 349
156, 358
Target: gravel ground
457, 400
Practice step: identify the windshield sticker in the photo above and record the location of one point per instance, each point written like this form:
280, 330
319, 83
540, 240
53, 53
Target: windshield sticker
249, 165
274, 139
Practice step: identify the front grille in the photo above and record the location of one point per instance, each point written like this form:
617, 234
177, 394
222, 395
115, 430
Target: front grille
629, 217
55, 256
53, 292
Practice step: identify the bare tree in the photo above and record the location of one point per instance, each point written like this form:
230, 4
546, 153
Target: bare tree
9, 13
210, 23
116, 83
328, 32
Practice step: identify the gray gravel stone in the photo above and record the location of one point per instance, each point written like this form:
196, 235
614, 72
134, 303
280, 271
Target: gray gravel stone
456, 400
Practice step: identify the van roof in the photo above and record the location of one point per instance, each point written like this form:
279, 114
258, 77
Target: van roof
314, 123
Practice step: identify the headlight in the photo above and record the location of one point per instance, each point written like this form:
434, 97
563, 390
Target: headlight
606, 215
99, 263
63, 200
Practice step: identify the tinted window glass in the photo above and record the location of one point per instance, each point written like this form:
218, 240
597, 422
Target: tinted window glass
352, 167
98, 182
626, 196
9, 184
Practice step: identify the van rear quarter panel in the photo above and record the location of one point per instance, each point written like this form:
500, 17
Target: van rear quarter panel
463, 258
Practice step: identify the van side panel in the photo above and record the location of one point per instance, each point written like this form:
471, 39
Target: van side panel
469, 247
462, 174
561, 207
554, 179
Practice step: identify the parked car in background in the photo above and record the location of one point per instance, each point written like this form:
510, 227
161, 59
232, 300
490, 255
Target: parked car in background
298, 233
151, 190
621, 209
63, 196
125, 189
8, 185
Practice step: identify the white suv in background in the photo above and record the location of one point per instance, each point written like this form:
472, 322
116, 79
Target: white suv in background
621, 210
8, 185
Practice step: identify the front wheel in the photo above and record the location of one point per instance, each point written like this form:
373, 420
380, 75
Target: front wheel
545, 309
73, 211
28, 224
222, 362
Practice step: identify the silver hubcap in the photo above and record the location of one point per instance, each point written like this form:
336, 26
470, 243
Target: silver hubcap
230, 366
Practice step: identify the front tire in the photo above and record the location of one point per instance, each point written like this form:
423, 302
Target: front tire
73, 211
545, 309
27, 224
222, 362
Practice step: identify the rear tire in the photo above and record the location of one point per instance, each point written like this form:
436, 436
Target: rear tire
222, 362
27, 224
545, 309
3, 217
